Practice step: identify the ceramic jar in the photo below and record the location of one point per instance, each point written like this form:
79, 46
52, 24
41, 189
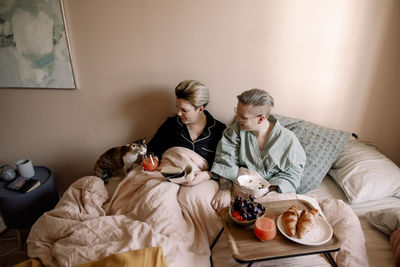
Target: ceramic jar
7, 173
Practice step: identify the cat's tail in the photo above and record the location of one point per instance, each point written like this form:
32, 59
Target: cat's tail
102, 174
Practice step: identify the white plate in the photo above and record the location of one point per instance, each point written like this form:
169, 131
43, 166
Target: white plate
320, 234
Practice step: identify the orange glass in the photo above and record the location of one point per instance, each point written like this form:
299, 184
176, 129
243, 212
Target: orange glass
265, 228
150, 162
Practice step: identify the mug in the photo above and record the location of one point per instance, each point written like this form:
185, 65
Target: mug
25, 168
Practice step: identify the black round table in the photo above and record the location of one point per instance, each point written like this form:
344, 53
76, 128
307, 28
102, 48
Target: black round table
21, 210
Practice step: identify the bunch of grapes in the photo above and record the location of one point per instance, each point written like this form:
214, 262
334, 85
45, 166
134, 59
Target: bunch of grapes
245, 209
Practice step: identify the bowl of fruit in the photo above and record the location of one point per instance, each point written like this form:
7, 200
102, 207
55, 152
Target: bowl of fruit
245, 211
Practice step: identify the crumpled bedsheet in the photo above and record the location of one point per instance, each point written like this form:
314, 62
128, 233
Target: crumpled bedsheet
145, 211
148, 211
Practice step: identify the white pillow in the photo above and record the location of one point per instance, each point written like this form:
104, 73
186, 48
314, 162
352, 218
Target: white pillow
386, 221
364, 173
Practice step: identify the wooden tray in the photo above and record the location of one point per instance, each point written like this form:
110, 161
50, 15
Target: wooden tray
245, 246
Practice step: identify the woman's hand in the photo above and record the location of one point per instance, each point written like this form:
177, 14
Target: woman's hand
221, 200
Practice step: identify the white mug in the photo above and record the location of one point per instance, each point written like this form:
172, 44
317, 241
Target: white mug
25, 168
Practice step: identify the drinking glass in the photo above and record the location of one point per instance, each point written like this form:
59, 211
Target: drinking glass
150, 162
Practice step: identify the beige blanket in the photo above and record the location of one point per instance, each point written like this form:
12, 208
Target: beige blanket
148, 211
145, 211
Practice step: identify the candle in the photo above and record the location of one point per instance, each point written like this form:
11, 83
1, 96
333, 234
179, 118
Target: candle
265, 228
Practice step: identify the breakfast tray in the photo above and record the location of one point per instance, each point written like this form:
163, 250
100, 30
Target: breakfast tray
245, 246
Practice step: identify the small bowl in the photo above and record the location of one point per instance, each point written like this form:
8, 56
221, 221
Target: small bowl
253, 185
245, 223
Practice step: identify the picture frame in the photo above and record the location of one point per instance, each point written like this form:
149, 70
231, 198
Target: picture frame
34, 45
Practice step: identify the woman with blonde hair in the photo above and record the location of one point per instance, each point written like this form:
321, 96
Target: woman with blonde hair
192, 127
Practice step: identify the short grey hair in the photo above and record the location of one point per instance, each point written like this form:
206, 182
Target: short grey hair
193, 91
257, 98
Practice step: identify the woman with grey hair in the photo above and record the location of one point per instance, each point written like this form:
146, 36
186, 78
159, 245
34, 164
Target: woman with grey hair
258, 142
192, 127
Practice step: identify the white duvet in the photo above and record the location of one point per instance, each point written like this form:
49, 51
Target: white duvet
148, 211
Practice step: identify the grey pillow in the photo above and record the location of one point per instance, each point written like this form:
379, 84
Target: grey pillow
321, 144
386, 220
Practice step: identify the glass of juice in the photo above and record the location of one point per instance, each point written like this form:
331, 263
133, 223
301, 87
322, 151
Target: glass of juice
265, 228
150, 162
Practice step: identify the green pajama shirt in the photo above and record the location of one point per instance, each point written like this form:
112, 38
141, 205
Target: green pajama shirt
281, 161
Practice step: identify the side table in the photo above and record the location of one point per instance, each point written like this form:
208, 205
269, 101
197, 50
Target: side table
21, 210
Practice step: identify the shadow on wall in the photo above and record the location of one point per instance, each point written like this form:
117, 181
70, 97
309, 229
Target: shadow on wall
143, 109
380, 121
146, 109
71, 169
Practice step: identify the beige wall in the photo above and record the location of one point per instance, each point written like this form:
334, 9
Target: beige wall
336, 63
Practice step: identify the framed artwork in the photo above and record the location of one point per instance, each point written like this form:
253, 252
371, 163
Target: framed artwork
34, 48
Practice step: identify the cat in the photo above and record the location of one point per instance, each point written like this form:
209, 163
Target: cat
118, 161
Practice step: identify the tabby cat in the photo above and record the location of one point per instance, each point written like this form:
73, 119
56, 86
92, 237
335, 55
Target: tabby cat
118, 161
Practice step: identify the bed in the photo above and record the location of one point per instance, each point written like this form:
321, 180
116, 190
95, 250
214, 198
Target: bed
378, 247
355, 186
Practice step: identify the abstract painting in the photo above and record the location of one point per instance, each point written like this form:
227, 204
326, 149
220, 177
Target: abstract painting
34, 49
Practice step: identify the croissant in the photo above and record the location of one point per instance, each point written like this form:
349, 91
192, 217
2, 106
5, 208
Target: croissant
306, 222
290, 218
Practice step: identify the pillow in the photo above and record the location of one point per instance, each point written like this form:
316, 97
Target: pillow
365, 174
321, 144
395, 242
388, 221
140, 257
